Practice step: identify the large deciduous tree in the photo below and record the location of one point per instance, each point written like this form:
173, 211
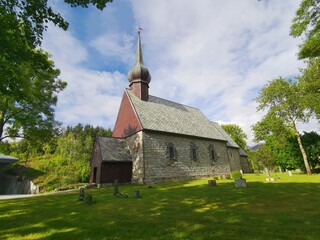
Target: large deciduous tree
237, 134
29, 81
281, 98
306, 23
309, 84
27, 100
278, 138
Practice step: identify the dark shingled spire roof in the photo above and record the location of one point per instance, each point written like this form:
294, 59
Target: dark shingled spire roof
138, 71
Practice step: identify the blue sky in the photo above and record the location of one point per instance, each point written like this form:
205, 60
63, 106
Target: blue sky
210, 54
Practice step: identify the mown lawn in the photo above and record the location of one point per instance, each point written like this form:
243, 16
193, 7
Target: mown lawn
286, 209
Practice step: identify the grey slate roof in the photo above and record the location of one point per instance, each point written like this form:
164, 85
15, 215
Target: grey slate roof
230, 142
242, 153
173, 117
114, 149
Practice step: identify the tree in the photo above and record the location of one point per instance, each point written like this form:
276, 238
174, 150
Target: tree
277, 137
281, 98
262, 158
26, 106
309, 83
237, 134
311, 141
306, 23
34, 15
29, 81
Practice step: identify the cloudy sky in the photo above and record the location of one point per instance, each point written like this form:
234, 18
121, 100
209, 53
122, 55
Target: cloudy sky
210, 54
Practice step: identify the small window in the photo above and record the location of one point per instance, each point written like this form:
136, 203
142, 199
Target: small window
171, 152
212, 153
193, 152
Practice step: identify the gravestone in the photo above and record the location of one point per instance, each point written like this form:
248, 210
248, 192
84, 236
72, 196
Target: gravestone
290, 173
82, 195
136, 194
240, 183
212, 183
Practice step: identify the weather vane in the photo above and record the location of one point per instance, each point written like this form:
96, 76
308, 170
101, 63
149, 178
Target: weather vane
140, 28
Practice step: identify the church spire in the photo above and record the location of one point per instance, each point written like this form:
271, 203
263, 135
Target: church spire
139, 76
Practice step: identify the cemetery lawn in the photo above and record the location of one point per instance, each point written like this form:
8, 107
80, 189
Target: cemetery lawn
285, 209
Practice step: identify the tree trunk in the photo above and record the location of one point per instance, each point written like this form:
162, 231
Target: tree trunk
303, 152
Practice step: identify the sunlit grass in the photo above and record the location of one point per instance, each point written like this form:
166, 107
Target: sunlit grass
285, 209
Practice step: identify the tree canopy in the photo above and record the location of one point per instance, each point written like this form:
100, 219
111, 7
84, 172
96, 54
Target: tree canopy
282, 99
306, 23
28, 96
237, 134
309, 84
29, 80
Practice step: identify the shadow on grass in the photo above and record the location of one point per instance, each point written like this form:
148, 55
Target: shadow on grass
178, 210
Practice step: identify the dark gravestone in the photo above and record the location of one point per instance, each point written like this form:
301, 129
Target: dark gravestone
136, 194
82, 195
212, 183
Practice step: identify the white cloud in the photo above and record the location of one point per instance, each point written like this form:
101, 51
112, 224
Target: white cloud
91, 97
115, 46
210, 54
216, 55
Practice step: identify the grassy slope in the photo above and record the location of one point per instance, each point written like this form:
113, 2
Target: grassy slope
287, 209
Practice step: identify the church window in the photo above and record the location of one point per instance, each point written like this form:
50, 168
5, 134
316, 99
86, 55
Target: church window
193, 152
212, 155
171, 152
212, 152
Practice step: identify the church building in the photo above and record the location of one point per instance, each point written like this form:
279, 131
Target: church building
156, 140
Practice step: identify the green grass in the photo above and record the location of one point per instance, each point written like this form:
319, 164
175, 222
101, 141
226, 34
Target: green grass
286, 209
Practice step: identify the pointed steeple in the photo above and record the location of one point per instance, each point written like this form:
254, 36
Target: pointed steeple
139, 76
138, 71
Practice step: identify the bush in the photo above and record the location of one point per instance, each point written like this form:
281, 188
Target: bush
236, 175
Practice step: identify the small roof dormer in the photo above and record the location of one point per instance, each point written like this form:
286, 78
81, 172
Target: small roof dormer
139, 76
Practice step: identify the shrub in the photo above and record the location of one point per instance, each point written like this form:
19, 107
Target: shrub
236, 175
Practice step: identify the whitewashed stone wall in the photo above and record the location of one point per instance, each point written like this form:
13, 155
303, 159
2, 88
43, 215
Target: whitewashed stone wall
158, 166
135, 145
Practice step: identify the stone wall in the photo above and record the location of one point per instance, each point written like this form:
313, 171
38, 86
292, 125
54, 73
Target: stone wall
159, 167
135, 144
234, 158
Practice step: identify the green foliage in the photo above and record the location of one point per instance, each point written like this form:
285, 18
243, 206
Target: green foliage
282, 100
33, 16
262, 158
311, 143
237, 134
306, 23
61, 162
29, 80
27, 99
309, 84
236, 175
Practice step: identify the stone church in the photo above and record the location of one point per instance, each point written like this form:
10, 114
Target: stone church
156, 140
